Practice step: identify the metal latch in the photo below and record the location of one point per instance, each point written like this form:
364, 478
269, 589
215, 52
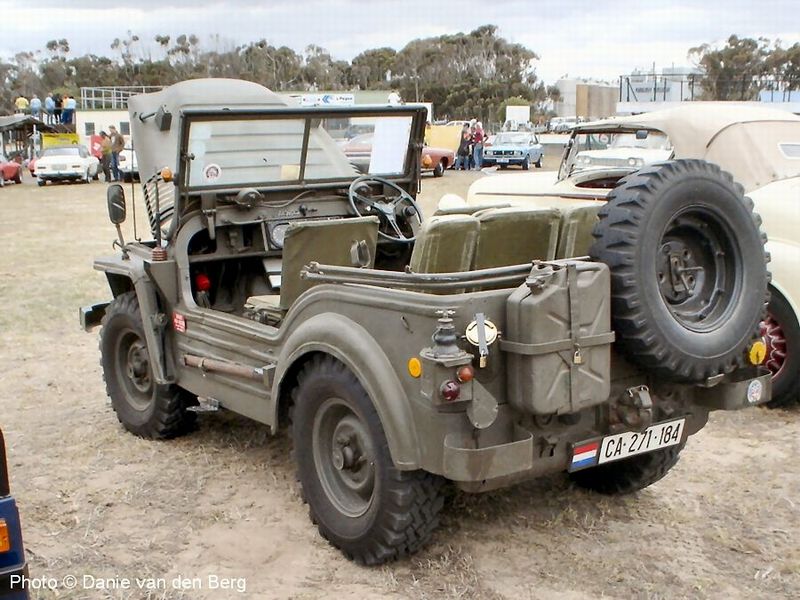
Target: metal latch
482, 333
577, 358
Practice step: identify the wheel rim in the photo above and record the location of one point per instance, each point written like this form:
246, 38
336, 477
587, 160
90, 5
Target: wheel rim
775, 339
133, 369
344, 457
697, 270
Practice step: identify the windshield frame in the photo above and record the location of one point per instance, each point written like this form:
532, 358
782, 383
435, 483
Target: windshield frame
571, 151
409, 175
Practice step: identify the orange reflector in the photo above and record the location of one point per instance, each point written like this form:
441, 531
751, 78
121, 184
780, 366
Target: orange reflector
166, 174
5, 540
414, 367
757, 352
465, 374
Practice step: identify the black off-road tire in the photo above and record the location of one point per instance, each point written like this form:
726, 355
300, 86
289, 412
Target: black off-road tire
628, 475
667, 212
150, 411
783, 353
403, 508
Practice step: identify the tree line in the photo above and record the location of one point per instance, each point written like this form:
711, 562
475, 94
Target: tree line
464, 74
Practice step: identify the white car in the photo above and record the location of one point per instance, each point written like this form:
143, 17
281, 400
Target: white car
66, 163
759, 147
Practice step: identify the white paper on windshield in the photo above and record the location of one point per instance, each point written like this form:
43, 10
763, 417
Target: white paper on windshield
389, 145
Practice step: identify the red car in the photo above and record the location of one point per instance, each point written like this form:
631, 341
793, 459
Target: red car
436, 160
9, 170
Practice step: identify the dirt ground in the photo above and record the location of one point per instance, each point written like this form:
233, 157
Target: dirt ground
221, 502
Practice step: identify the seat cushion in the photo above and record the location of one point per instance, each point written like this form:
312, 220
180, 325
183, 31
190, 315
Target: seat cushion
445, 244
577, 224
516, 235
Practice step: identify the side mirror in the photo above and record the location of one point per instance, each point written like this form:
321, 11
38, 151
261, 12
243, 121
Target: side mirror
641, 134
115, 197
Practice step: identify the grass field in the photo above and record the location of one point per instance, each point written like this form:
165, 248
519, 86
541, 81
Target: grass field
97, 501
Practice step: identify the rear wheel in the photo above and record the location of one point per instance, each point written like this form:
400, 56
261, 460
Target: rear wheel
41, 182
360, 501
144, 407
18, 177
781, 332
438, 171
539, 162
628, 475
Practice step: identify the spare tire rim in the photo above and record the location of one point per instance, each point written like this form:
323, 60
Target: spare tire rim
775, 339
697, 269
343, 457
133, 369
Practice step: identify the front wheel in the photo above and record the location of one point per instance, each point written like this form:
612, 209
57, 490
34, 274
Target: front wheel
144, 407
361, 503
438, 171
41, 182
628, 475
526, 164
538, 162
781, 332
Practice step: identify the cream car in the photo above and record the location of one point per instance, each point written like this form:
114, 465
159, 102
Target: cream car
66, 163
760, 147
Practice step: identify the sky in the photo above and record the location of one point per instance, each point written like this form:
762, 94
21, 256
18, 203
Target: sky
576, 38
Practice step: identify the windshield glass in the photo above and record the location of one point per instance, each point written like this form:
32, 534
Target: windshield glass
270, 151
508, 139
66, 151
616, 149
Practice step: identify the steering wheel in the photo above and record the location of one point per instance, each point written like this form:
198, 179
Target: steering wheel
387, 210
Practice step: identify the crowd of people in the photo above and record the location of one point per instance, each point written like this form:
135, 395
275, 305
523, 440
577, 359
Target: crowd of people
55, 108
470, 148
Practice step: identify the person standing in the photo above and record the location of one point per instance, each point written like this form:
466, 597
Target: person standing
462, 156
21, 104
477, 146
105, 155
117, 146
49, 108
59, 104
36, 107
69, 109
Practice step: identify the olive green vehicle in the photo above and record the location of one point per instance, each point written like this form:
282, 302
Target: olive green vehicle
285, 285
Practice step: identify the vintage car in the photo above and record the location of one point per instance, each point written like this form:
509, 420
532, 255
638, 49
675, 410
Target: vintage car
285, 285
10, 170
13, 569
759, 147
513, 148
436, 160
66, 163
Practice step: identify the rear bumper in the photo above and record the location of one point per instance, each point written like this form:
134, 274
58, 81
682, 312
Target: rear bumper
58, 176
91, 316
528, 454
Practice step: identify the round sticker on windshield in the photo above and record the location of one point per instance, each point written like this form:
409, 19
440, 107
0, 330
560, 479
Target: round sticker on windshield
212, 172
754, 391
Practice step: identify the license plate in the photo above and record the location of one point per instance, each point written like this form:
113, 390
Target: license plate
59, 167
502, 160
624, 445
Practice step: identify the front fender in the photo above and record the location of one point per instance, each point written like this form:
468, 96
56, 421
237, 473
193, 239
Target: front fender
353, 345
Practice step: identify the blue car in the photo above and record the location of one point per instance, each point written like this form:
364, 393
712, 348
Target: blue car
514, 148
12, 553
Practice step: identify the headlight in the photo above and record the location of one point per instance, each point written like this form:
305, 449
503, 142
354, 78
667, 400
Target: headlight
518, 152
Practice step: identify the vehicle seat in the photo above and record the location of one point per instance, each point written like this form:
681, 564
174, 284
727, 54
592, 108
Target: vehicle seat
329, 242
577, 224
445, 244
516, 235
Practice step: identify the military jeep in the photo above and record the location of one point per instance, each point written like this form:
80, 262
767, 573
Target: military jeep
285, 284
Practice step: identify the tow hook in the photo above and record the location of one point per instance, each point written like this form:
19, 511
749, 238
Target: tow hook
635, 407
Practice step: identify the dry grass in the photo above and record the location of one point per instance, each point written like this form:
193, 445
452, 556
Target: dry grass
97, 501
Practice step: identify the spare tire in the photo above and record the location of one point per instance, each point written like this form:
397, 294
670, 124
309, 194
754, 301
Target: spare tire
688, 269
